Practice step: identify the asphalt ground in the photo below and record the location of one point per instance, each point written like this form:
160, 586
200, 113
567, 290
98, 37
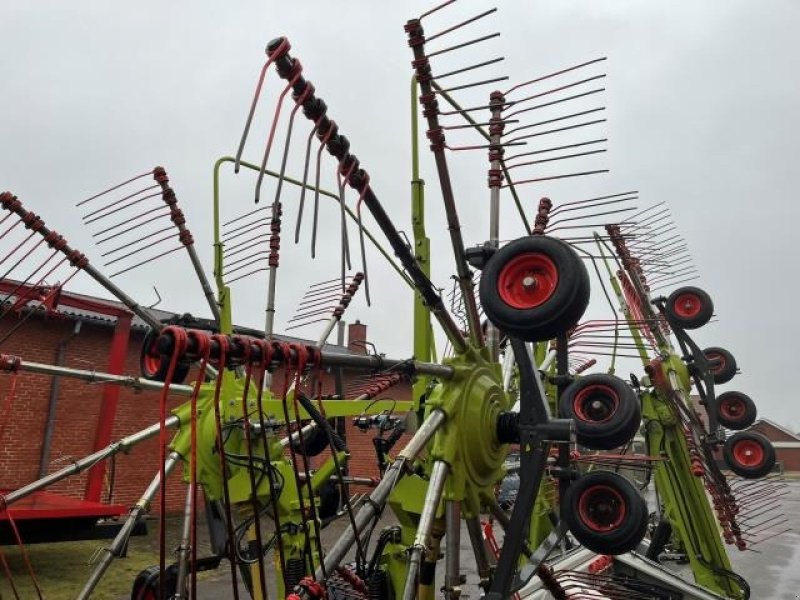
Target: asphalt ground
771, 567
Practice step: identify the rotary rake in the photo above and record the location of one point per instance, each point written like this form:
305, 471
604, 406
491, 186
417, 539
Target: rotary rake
259, 408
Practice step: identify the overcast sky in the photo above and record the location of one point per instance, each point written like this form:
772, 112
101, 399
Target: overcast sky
701, 101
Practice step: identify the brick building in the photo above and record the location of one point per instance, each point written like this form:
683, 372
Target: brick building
81, 339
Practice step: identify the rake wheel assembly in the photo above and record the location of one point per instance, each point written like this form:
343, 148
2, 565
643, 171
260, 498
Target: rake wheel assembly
749, 454
535, 288
605, 513
721, 363
689, 307
736, 410
605, 410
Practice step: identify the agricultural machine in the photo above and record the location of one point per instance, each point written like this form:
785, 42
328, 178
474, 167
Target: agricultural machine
255, 437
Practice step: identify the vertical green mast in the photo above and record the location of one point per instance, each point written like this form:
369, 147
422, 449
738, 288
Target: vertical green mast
423, 334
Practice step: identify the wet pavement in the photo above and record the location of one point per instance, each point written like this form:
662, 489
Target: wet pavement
772, 568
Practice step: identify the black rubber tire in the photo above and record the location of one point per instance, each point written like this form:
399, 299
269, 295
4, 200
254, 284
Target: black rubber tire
721, 363
606, 411
689, 308
155, 367
146, 584
316, 442
330, 497
749, 454
605, 513
563, 300
736, 410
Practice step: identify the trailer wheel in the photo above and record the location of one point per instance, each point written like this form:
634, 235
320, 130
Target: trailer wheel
721, 363
605, 513
534, 288
689, 308
735, 410
605, 409
146, 585
749, 454
155, 366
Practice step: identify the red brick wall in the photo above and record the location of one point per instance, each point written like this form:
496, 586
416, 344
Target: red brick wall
78, 410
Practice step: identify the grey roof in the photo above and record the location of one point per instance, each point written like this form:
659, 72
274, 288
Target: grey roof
162, 315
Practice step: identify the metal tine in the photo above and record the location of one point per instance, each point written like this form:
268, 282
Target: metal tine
13, 251
560, 88
556, 130
137, 250
342, 183
555, 120
322, 142
246, 245
272, 128
323, 291
23, 283
472, 125
254, 259
318, 301
247, 214
240, 277
298, 325
551, 103
458, 26
148, 260
436, 9
22, 259
666, 284
116, 187
249, 257
551, 75
465, 86
553, 149
479, 65
361, 242
253, 104
233, 234
303, 188
463, 45
646, 244
321, 283
608, 199
309, 314
91, 218
127, 222
592, 215
554, 177
298, 102
555, 158
136, 241
482, 146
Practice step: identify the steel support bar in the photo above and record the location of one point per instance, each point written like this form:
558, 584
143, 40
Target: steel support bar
88, 461
377, 498
422, 541
452, 553
115, 548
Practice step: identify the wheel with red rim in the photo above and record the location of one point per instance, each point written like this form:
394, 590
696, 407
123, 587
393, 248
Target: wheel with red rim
749, 454
155, 366
605, 513
534, 288
721, 363
689, 308
606, 410
736, 410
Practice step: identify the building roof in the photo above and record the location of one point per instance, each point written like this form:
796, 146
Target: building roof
109, 319
778, 427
